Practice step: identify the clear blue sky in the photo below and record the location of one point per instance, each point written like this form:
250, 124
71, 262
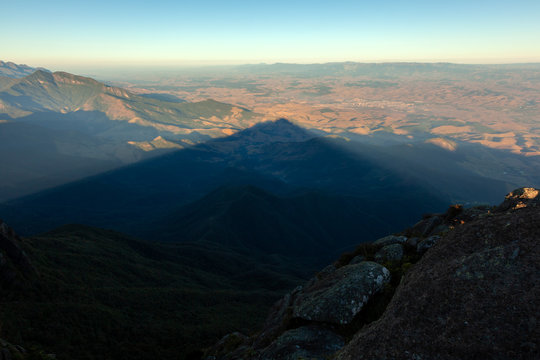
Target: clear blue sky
70, 34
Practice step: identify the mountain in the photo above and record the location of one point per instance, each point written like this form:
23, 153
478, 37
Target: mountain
250, 220
133, 199
62, 92
15, 71
381, 70
88, 293
58, 119
457, 285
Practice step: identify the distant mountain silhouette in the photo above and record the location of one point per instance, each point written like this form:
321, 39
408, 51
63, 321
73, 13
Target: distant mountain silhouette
11, 70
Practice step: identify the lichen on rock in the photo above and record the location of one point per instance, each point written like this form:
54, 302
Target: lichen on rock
339, 297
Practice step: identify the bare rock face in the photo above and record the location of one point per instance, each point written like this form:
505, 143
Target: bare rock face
306, 342
426, 244
392, 252
338, 297
473, 296
390, 239
426, 226
520, 198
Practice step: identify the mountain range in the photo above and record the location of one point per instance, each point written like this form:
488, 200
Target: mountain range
11, 70
187, 220
58, 127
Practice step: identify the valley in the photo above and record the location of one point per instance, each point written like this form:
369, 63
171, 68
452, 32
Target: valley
158, 214
493, 105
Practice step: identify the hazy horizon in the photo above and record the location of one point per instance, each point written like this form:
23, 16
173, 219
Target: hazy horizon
83, 37
117, 71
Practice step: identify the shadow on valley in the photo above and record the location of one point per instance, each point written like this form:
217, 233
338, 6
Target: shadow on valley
277, 157
46, 149
228, 226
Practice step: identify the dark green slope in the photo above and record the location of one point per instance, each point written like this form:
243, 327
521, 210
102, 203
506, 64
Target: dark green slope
101, 294
250, 220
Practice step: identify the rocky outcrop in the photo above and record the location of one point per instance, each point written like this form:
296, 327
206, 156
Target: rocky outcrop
520, 198
464, 287
390, 240
428, 243
392, 252
306, 322
306, 342
475, 295
340, 296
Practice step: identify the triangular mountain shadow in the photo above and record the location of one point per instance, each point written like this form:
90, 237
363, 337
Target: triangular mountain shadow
278, 157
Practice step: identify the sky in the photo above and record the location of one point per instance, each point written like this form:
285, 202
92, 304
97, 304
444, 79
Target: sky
78, 35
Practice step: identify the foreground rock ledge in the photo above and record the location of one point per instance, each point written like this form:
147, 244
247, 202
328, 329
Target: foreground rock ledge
338, 297
476, 295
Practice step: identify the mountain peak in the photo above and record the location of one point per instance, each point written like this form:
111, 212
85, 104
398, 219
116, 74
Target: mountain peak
12, 70
65, 77
40, 75
275, 131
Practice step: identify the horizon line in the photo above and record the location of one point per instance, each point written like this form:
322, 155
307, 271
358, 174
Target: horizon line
205, 64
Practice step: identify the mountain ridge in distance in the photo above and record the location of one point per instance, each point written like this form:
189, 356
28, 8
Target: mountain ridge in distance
12, 70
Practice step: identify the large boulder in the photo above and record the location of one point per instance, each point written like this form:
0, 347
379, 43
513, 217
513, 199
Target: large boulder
390, 240
306, 342
475, 295
520, 198
277, 319
390, 253
340, 296
426, 226
426, 244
